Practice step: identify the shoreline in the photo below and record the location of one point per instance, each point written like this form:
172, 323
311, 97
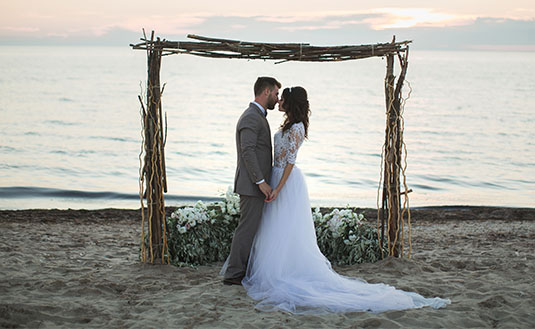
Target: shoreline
434, 213
27, 197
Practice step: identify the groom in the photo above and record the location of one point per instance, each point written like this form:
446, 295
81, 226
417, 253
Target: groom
251, 182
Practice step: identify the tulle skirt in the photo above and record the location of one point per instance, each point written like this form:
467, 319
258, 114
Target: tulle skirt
288, 272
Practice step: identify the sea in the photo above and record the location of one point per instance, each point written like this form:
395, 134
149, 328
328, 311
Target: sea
70, 127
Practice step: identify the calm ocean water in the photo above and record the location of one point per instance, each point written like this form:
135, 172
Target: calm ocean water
70, 127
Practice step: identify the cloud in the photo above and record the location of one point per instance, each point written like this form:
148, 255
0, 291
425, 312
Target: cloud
287, 19
57, 35
377, 19
238, 26
410, 17
427, 31
308, 17
162, 24
325, 21
329, 25
23, 29
530, 48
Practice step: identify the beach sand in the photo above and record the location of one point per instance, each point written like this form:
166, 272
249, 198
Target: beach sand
79, 268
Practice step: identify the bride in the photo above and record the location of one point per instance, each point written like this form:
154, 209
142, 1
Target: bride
286, 269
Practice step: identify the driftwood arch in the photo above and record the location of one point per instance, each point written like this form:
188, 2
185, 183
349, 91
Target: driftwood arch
153, 183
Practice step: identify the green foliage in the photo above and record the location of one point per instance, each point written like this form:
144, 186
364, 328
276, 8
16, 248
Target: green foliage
202, 234
345, 238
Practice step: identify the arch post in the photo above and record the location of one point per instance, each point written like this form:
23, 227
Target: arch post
392, 209
152, 173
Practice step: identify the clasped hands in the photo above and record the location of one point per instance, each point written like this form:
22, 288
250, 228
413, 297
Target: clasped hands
271, 194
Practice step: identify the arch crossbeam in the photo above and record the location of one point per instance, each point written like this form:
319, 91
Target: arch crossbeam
234, 49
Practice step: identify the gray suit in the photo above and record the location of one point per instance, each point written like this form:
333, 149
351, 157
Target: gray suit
253, 143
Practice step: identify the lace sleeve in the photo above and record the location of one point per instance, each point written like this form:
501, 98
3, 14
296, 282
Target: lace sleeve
296, 135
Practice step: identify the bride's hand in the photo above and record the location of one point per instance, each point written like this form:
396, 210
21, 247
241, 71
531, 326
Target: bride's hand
274, 194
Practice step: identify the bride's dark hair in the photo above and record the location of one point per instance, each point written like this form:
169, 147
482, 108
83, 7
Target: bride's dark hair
297, 109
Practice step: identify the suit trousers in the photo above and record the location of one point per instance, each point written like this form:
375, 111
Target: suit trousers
251, 213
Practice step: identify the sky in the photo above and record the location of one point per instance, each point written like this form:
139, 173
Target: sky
437, 24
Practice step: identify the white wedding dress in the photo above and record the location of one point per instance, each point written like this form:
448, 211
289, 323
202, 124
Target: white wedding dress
287, 270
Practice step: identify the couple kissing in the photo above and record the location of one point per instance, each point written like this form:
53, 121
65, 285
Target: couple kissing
274, 253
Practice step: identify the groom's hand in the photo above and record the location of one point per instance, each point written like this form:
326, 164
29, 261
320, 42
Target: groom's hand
266, 189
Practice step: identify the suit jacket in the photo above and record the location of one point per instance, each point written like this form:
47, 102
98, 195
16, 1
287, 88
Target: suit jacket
253, 143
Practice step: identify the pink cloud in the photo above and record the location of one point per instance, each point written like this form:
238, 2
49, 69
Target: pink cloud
26, 29
412, 17
162, 24
330, 25
378, 19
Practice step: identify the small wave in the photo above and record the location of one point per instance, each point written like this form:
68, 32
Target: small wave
115, 139
17, 167
425, 187
193, 171
354, 183
373, 155
492, 185
441, 179
5, 148
24, 192
516, 182
62, 123
184, 154
313, 174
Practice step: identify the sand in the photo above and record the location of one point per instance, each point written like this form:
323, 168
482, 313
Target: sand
76, 268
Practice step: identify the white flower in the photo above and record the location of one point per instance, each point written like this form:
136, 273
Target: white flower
200, 205
181, 229
317, 216
233, 210
335, 223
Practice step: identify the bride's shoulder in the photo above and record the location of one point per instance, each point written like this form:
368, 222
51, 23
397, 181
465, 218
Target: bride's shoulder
298, 125
296, 129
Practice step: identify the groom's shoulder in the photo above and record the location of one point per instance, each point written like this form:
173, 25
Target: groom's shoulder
249, 118
251, 111
252, 108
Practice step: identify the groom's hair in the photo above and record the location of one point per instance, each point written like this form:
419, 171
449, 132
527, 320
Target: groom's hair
265, 82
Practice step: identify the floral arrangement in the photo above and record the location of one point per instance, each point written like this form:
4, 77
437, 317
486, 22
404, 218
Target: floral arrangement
202, 234
345, 238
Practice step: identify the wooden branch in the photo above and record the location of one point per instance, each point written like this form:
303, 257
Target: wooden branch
162, 145
283, 52
404, 64
198, 37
